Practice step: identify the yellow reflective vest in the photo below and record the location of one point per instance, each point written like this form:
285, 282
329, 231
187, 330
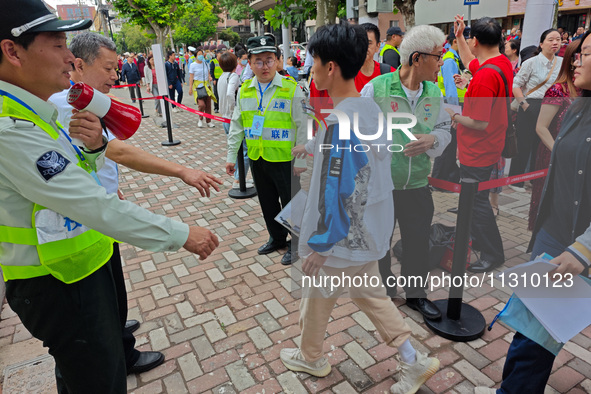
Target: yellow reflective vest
217, 71
67, 250
278, 136
385, 48
440, 83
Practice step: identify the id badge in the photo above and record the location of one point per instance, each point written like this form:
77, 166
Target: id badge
257, 125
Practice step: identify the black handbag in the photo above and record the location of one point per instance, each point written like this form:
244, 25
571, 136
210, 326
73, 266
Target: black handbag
202, 92
510, 148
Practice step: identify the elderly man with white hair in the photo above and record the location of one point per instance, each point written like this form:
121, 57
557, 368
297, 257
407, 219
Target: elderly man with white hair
411, 89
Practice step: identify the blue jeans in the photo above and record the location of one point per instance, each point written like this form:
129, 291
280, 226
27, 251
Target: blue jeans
528, 365
246, 161
178, 87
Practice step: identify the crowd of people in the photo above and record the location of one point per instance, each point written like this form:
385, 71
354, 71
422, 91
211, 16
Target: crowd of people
60, 261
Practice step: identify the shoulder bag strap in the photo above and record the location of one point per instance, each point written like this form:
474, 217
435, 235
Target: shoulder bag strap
545, 80
498, 70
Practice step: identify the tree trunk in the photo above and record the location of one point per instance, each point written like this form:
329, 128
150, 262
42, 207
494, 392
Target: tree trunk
320, 13
331, 11
407, 8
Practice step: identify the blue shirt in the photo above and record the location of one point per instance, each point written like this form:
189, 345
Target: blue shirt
293, 71
449, 68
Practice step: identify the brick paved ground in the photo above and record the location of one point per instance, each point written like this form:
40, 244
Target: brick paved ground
222, 322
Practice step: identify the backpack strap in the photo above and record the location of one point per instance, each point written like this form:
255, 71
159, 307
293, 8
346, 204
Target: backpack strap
385, 68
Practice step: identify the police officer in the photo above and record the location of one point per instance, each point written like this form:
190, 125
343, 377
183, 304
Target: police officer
269, 114
56, 221
389, 53
216, 72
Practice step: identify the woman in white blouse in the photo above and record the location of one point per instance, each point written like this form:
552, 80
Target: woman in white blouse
199, 82
529, 87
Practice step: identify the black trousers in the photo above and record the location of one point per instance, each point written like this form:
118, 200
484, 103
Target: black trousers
527, 139
445, 166
275, 185
216, 105
131, 354
132, 91
178, 87
484, 230
80, 325
413, 210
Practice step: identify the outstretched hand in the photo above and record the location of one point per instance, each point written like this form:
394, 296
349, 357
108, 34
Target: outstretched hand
201, 180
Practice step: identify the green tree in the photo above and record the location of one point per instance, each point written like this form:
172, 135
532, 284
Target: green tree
237, 9
229, 35
132, 38
197, 23
296, 12
156, 16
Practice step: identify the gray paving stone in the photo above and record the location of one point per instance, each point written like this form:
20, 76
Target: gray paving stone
225, 388
170, 280
344, 388
362, 319
189, 366
239, 375
190, 261
158, 339
159, 291
175, 384
173, 323
148, 266
202, 347
136, 276
359, 355
258, 269
185, 309
471, 373
199, 319
225, 315
213, 331
365, 339
259, 338
158, 258
267, 322
355, 375
473, 357
290, 383
275, 308
186, 334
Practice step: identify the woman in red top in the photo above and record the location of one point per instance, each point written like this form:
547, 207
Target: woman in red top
554, 105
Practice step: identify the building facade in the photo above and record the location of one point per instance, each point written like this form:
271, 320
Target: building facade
571, 14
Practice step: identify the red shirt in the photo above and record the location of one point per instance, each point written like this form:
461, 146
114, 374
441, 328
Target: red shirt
482, 148
361, 80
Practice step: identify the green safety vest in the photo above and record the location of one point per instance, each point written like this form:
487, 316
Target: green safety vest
408, 172
461, 92
217, 72
67, 255
385, 48
278, 136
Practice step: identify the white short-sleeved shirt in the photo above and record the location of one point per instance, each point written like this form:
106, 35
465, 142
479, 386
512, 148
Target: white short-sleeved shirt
109, 173
200, 72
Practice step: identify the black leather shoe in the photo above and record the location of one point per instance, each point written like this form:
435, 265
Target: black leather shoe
453, 210
132, 325
425, 307
146, 362
289, 257
270, 247
481, 266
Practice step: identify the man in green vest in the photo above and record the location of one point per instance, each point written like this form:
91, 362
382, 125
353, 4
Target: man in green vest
56, 221
269, 114
390, 53
409, 90
216, 72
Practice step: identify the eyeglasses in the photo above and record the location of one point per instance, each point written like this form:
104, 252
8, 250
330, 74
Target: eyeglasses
261, 64
431, 54
578, 59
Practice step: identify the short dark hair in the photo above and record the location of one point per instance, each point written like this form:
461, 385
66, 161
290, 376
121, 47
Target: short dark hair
371, 27
168, 53
487, 31
294, 61
240, 53
515, 44
344, 44
228, 62
23, 40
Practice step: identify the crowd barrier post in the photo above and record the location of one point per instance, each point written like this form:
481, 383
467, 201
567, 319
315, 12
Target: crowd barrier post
460, 322
170, 141
243, 192
139, 95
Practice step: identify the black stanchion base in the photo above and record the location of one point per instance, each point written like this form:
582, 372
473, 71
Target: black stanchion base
145, 116
241, 195
469, 327
171, 143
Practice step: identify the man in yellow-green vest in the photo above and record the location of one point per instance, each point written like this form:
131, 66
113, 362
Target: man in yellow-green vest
389, 53
269, 114
216, 72
57, 224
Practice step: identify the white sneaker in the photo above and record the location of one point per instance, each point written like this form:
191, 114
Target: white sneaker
412, 377
211, 125
175, 110
484, 390
294, 361
200, 123
517, 188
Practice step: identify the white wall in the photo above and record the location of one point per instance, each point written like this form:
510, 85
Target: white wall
429, 12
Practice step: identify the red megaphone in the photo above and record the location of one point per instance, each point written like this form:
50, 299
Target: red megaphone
122, 120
